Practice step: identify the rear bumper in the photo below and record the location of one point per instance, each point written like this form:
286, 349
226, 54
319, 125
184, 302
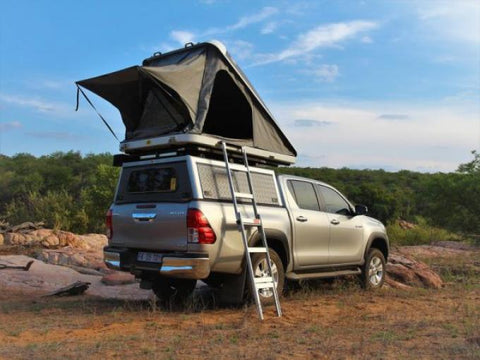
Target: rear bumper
184, 266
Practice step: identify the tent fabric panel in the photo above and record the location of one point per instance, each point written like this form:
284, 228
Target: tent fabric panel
184, 77
120, 88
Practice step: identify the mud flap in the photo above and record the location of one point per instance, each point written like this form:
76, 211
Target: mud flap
232, 291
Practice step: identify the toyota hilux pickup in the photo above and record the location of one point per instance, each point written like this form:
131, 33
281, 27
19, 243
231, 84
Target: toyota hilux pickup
172, 222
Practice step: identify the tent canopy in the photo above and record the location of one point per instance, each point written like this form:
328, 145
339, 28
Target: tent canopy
197, 90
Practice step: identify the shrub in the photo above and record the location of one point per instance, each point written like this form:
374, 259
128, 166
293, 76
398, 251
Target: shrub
420, 234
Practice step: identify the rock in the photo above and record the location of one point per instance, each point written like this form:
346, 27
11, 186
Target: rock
456, 245
94, 241
1, 239
118, 278
50, 241
14, 239
405, 225
408, 271
396, 285
72, 257
41, 233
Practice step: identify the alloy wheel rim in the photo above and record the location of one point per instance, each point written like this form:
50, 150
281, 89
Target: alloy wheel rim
375, 271
262, 271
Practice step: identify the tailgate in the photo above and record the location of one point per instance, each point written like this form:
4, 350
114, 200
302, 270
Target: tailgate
160, 227
150, 208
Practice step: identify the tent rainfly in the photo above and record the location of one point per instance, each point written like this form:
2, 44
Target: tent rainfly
195, 90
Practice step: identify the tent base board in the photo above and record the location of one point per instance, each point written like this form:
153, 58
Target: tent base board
165, 143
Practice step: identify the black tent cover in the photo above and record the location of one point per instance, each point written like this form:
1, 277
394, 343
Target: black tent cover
194, 90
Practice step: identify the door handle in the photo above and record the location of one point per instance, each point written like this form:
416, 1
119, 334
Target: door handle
302, 218
144, 216
334, 222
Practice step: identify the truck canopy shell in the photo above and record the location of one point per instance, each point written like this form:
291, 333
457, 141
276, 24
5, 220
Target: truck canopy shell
195, 90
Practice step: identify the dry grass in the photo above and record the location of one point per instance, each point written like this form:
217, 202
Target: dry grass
331, 320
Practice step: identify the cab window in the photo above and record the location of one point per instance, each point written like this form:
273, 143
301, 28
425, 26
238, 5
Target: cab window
334, 203
304, 195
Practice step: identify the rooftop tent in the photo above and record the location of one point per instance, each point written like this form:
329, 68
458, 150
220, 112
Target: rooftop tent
195, 90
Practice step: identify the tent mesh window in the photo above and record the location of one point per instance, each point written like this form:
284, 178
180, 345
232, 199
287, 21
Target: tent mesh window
163, 111
229, 114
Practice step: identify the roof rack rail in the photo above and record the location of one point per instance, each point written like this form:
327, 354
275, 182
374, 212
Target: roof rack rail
235, 155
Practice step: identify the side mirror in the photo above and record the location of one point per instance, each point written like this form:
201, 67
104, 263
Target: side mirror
361, 210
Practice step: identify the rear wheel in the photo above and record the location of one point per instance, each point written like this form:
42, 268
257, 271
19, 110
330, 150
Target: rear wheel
173, 289
373, 274
260, 269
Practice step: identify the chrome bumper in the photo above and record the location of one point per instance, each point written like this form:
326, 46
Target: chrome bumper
186, 268
176, 267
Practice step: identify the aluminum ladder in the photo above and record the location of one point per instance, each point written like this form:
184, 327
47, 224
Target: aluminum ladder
257, 283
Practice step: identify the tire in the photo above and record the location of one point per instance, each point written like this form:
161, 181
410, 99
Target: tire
374, 270
260, 269
173, 289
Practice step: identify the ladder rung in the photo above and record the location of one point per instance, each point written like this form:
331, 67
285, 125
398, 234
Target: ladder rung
264, 280
264, 286
243, 195
251, 222
257, 250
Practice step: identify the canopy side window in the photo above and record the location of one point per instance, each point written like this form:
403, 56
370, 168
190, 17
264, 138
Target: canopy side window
229, 114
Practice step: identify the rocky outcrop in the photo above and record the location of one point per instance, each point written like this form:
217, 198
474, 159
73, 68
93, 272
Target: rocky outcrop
404, 271
53, 239
118, 278
43, 278
25, 227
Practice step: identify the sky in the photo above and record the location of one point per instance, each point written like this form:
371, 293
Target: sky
361, 84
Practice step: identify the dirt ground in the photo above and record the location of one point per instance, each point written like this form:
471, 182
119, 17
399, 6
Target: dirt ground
321, 320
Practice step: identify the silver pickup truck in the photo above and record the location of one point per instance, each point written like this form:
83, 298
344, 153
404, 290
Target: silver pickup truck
172, 223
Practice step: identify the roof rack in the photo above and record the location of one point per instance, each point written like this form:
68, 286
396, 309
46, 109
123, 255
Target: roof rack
235, 155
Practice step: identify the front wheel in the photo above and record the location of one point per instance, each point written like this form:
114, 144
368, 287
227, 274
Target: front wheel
373, 272
260, 269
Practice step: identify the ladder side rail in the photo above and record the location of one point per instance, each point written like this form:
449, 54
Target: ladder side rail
262, 231
244, 235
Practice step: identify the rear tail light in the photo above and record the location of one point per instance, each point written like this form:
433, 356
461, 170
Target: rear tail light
199, 229
108, 224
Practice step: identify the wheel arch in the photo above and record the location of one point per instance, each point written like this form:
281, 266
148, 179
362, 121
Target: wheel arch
378, 241
277, 241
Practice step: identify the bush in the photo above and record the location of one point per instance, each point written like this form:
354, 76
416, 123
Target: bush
420, 234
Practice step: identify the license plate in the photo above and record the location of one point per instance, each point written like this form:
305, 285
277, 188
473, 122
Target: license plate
149, 257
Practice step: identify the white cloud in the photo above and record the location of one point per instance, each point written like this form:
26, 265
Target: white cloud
240, 49
429, 137
12, 125
55, 135
182, 37
244, 21
39, 105
458, 21
326, 72
321, 36
269, 28
35, 103
366, 40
